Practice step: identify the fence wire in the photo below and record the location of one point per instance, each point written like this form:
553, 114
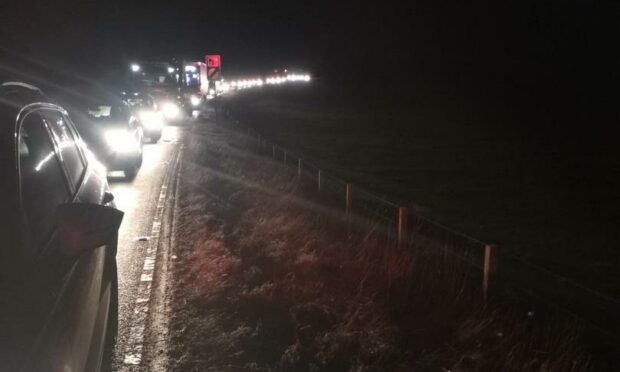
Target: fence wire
596, 308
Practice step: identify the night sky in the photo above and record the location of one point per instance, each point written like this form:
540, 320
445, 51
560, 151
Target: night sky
424, 36
527, 58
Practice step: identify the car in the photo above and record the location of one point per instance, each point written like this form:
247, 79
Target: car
146, 110
59, 228
170, 106
112, 131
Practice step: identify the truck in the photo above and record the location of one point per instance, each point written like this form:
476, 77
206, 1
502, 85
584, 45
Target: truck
196, 88
180, 87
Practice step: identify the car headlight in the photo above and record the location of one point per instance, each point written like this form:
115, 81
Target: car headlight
151, 119
121, 140
194, 100
171, 110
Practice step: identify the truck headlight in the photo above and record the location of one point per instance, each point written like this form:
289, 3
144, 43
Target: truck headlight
194, 100
121, 140
171, 110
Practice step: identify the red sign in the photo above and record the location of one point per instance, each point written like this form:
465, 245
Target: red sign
213, 73
213, 60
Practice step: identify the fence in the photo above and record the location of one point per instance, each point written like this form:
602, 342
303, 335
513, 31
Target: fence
397, 220
515, 275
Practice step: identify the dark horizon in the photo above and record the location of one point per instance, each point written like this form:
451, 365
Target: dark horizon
553, 63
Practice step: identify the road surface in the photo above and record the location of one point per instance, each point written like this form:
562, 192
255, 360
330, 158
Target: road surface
137, 245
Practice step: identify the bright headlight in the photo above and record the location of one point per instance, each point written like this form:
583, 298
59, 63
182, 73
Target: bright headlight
151, 119
121, 140
171, 110
194, 100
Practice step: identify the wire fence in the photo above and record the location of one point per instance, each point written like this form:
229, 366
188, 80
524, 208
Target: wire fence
514, 275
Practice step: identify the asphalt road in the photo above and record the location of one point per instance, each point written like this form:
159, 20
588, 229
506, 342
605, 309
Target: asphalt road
139, 200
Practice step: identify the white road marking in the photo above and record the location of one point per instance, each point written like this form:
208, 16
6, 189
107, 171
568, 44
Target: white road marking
135, 343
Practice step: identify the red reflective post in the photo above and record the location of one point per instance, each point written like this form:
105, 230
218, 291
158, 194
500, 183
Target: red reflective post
349, 199
403, 227
489, 280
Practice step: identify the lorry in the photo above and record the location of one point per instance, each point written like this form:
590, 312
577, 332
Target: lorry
180, 87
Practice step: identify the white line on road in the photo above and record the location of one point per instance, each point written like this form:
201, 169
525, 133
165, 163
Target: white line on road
135, 344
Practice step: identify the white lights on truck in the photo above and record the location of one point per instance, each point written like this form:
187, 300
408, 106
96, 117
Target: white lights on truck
194, 100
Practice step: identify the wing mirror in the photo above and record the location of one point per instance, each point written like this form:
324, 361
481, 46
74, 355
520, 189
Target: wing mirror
82, 226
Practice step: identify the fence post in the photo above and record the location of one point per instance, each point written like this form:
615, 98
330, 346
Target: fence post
348, 199
403, 227
273, 151
284, 157
319, 184
489, 280
299, 167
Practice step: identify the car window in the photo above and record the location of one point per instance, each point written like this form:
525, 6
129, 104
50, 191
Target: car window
65, 140
42, 182
109, 112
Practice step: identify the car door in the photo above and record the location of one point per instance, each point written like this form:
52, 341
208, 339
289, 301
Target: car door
65, 291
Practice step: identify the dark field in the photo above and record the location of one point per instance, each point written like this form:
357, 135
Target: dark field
544, 192
269, 278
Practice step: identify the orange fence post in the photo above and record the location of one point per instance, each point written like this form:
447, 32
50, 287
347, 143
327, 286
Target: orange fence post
489, 280
349, 199
403, 227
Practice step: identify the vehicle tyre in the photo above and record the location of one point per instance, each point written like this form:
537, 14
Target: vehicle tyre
112, 326
132, 170
155, 138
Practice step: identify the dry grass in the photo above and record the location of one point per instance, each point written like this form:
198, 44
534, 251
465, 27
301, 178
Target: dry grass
267, 280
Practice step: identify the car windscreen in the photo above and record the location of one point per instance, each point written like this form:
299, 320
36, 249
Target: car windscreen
105, 114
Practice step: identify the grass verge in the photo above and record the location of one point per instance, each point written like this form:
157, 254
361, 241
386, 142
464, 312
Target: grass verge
267, 279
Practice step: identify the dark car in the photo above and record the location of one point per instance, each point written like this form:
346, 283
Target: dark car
143, 107
58, 233
112, 132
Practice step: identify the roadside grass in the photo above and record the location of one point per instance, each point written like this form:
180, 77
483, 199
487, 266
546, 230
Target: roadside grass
550, 203
268, 279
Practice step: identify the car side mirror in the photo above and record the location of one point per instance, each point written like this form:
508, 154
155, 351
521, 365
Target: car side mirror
82, 226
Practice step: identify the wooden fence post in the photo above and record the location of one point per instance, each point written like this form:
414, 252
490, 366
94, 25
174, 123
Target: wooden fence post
299, 167
319, 184
403, 227
348, 199
489, 280
284, 157
273, 151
